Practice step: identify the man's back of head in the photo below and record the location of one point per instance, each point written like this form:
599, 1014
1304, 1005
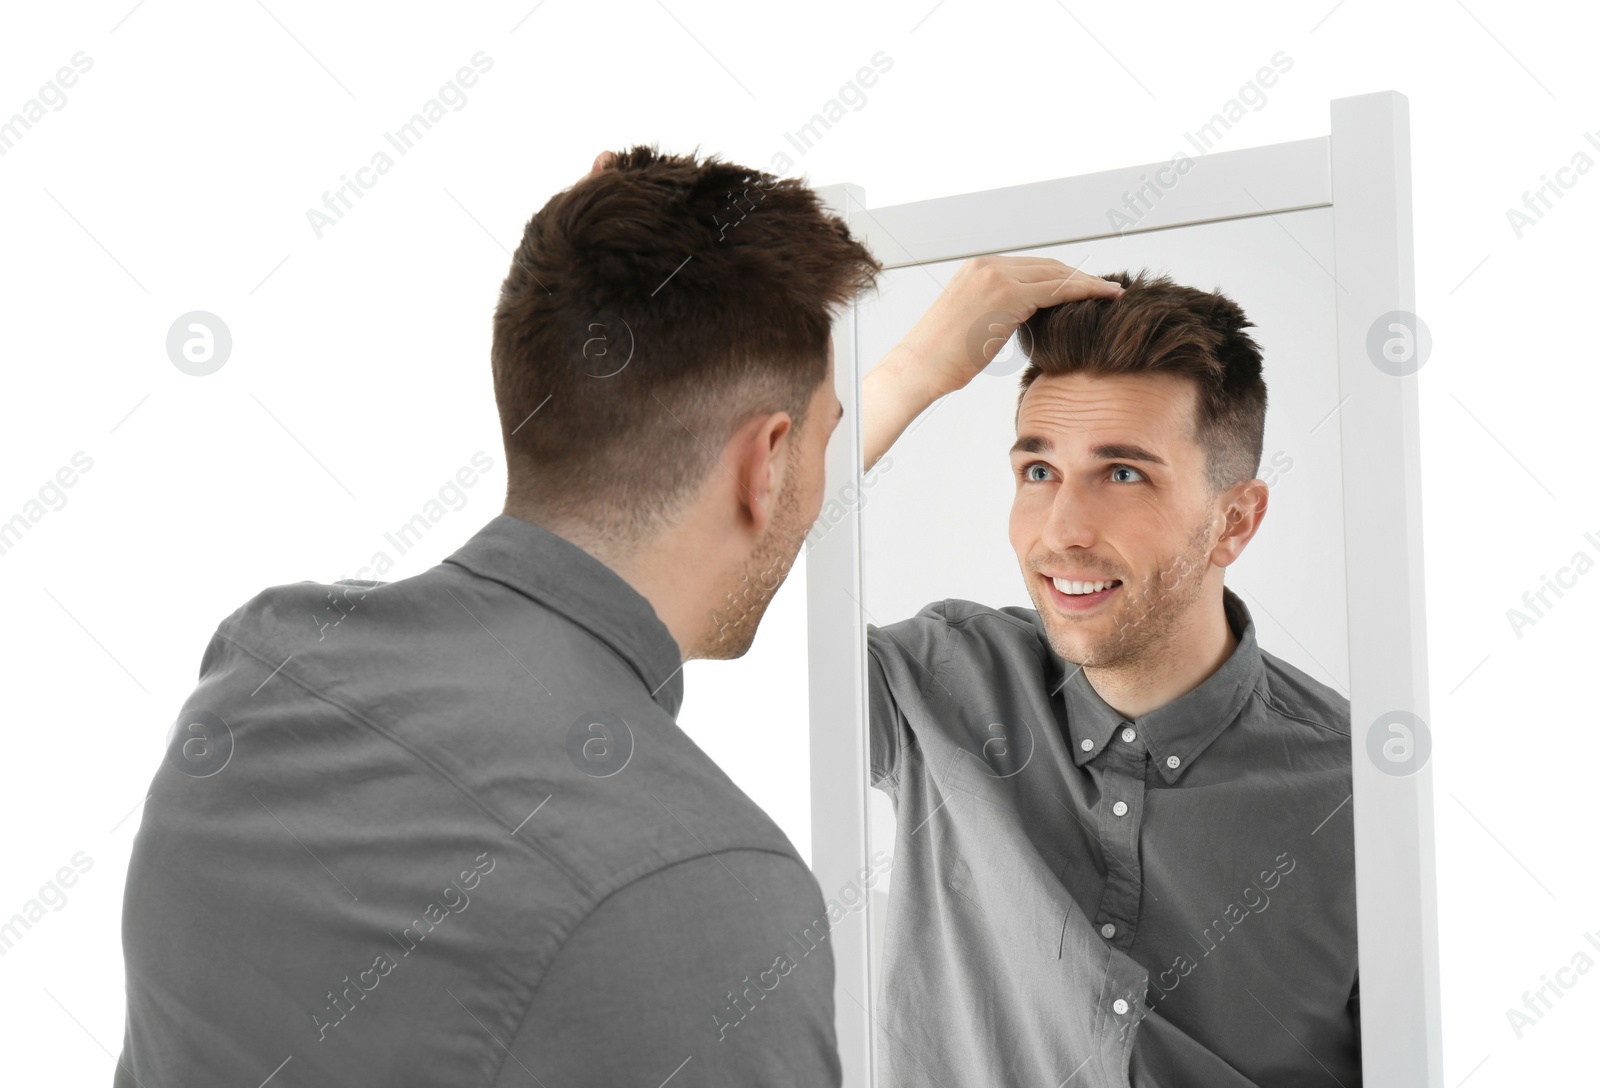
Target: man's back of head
650, 310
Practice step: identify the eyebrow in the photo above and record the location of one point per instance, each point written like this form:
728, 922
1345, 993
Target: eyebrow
1110, 451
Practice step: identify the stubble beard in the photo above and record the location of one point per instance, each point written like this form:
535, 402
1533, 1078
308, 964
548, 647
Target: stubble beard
1149, 613
734, 622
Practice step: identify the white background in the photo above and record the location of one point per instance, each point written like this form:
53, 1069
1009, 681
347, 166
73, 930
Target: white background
177, 177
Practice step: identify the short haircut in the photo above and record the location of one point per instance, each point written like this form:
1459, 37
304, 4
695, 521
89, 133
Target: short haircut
651, 310
1157, 326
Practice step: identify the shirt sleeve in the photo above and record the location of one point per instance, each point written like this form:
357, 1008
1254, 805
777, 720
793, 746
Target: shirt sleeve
902, 659
718, 966
886, 726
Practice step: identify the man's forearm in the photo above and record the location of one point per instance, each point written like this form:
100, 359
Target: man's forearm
891, 398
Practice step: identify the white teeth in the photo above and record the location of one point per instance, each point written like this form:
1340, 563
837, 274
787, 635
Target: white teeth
1078, 588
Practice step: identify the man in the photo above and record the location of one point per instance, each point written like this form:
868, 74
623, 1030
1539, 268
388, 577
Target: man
1124, 851
445, 829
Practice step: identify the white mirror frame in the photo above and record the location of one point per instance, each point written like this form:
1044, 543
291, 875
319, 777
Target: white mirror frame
1362, 170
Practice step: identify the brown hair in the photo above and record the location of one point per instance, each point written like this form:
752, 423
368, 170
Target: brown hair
650, 311
1156, 325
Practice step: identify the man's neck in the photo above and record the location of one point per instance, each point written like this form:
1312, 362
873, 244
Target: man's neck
1178, 670
639, 574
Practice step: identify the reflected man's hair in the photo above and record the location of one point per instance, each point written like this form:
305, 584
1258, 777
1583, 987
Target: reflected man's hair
1156, 325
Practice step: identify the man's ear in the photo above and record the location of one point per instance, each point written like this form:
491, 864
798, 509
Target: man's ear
601, 161
1243, 517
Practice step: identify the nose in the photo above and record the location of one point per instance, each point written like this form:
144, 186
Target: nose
1070, 520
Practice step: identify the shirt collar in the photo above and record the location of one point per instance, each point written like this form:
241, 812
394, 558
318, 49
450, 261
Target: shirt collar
562, 576
1182, 729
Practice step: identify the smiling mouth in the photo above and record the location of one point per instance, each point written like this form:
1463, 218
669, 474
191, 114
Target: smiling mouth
1083, 601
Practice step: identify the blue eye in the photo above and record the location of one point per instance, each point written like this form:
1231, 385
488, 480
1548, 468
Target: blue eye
1114, 468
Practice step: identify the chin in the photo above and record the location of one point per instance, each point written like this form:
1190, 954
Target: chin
729, 649
1072, 644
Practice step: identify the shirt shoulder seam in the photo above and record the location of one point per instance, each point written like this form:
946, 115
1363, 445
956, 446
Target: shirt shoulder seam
969, 610
430, 764
1278, 708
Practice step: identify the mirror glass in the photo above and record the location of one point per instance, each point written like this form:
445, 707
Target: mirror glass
1237, 891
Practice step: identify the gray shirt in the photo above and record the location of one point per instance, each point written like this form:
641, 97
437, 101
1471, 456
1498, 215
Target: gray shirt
445, 830
1088, 899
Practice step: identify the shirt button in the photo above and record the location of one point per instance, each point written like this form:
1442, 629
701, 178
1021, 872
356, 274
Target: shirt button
1108, 931
1120, 808
1128, 735
1173, 761
1119, 1006
1087, 745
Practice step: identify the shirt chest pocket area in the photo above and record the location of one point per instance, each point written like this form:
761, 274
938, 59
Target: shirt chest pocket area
1000, 857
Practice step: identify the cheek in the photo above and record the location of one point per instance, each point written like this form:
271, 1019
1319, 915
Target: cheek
1030, 509
1022, 529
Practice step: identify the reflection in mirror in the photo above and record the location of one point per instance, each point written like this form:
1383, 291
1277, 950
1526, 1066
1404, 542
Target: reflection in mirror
1118, 804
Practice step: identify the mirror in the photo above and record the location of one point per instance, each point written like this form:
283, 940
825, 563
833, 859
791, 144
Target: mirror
1195, 898
1006, 855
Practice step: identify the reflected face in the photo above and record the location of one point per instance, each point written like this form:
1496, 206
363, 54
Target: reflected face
1111, 488
794, 508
